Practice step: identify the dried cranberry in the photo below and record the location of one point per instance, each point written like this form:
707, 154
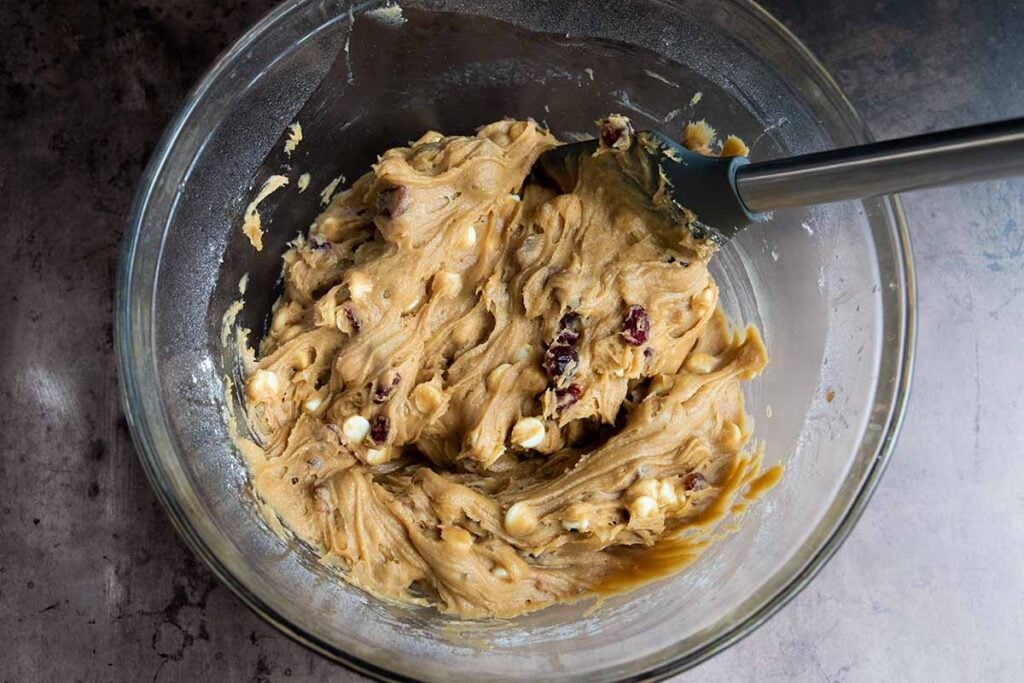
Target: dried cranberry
560, 360
636, 326
612, 130
379, 427
566, 338
571, 321
694, 481
565, 398
673, 259
393, 201
383, 390
350, 315
570, 327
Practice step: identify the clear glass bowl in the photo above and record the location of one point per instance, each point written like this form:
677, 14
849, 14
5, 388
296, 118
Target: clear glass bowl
830, 287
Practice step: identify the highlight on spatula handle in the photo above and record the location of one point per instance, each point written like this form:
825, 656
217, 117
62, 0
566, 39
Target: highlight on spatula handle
992, 150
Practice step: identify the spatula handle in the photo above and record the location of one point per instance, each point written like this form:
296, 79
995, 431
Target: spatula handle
992, 150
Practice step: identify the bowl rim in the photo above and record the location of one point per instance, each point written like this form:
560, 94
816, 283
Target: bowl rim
146, 450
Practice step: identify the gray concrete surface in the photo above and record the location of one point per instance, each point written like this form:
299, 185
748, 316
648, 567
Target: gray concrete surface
94, 585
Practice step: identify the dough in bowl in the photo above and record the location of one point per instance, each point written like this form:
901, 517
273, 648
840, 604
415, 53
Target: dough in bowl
480, 394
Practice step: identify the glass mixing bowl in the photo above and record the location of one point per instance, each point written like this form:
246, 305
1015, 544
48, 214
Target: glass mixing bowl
831, 288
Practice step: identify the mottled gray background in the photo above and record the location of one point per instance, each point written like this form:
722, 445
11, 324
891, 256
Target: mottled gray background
94, 584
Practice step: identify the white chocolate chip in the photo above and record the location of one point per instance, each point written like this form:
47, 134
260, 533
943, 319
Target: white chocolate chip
359, 285
376, 456
576, 517
642, 507
312, 404
414, 303
732, 434
705, 298
528, 432
499, 573
576, 524
700, 363
680, 493
457, 537
282, 319
355, 428
644, 487
661, 384
468, 238
522, 354
427, 398
667, 493
520, 519
263, 385
328, 226
447, 284
304, 359
494, 378
267, 379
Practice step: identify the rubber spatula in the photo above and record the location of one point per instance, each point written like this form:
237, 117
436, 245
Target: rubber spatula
728, 193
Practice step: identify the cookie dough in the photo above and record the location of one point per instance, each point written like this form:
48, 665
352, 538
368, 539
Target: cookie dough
482, 395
